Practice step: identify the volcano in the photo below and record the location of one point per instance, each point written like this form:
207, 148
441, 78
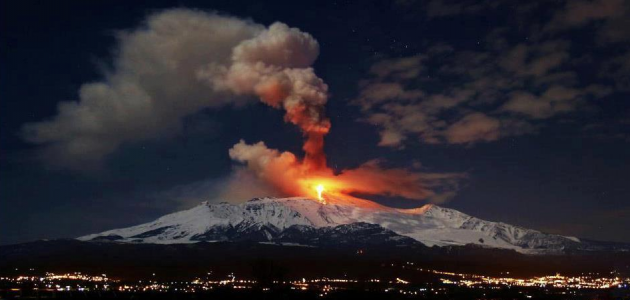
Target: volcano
309, 222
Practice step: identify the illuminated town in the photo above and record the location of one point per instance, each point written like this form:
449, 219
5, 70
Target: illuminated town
444, 284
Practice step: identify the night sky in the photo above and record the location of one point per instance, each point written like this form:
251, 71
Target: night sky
527, 100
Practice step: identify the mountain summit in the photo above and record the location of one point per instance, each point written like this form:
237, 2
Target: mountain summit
305, 221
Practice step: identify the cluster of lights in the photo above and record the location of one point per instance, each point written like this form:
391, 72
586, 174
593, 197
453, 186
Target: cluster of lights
83, 282
76, 281
586, 281
57, 277
555, 281
76, 276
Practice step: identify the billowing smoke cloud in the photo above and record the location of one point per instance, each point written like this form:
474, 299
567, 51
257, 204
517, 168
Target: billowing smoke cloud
241, 184
180, 62
285, 172
274, 66
183, 61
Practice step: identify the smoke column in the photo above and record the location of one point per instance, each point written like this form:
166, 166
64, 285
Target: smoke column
180, 62
274, 66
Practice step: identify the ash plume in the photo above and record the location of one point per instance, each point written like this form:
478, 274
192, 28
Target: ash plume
289, 175
275, 67
183, 61
178, 63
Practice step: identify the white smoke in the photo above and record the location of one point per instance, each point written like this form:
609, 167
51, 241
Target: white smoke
180, 62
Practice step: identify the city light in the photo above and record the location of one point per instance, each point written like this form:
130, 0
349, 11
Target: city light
552, 284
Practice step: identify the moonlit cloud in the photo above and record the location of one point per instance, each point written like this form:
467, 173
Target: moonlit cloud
473, 127
484, 95
579, 12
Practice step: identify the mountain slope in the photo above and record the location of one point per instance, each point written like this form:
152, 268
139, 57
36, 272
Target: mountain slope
309, 222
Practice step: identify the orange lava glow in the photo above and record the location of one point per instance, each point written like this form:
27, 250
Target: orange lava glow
303, 97
292, 176
367, 179
320, 189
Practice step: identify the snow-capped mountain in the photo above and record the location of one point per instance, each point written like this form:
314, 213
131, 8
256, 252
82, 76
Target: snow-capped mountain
308, 222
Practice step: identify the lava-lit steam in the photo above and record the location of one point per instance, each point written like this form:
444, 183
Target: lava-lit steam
291, 176
181, 62
274, 65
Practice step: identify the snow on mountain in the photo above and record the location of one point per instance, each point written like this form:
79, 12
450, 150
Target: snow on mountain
274, 219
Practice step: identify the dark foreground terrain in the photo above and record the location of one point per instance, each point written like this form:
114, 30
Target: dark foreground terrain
464, 294
247, 270
133, 261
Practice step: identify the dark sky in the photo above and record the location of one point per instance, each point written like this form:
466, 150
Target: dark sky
529, 100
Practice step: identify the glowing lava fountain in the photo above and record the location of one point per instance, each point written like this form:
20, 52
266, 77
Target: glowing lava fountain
320, 189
